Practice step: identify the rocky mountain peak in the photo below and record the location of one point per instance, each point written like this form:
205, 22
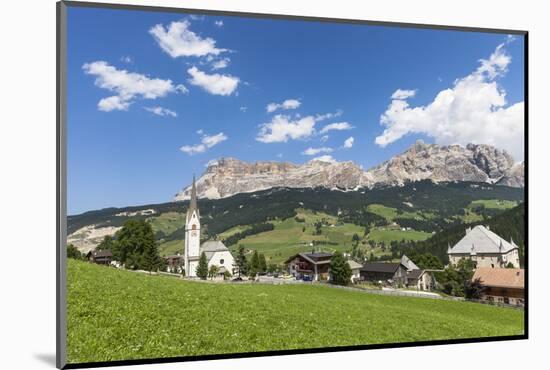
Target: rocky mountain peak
475, 162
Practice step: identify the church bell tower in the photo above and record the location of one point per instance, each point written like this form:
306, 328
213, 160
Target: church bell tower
191, 251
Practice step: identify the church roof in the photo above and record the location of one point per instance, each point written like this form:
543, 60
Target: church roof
211, 247
481, 240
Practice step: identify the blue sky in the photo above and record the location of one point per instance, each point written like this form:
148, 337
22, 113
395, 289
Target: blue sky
153, 97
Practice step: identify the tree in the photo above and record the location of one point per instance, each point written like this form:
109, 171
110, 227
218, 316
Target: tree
271, 268
151, 260
339, 269
263, 263
241, 264
427, 261
473, 289
455, 279
73, 252
355, 239
318, 228
202, 267
254, 266
213, 271
132, 240
108, 243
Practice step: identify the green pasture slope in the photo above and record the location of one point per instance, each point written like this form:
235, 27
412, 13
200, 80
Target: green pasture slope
118, 315
290, 236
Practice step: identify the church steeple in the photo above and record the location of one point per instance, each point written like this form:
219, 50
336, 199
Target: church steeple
193, 201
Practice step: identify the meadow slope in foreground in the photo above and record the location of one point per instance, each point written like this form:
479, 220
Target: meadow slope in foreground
120, 315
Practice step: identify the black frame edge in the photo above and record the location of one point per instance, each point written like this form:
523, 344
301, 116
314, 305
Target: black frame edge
61, 157
166, 9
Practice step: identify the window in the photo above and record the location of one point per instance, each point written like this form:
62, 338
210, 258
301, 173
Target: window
194, 227
221, 261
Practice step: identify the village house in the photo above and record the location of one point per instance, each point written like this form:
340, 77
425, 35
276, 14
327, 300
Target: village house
486, 248
384, 272
418, 278
174, 263
102, 257
355, 270
501, 285
314, 266
421, 279
216, 252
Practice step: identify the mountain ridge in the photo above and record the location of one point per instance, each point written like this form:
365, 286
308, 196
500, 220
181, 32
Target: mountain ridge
474, 162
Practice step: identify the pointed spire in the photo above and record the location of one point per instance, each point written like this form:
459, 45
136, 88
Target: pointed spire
448, 248
193, 200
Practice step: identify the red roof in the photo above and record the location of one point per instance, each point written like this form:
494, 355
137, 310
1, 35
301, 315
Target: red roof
499, 277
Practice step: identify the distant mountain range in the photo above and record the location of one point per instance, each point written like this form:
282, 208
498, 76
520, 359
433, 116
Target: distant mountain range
475, 162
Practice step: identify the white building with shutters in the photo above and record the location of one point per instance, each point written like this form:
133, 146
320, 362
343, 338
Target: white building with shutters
486, 248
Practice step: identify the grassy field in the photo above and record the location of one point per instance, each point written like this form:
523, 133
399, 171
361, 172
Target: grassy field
117, 315
494, 204
390, 213
387, 234
290, 236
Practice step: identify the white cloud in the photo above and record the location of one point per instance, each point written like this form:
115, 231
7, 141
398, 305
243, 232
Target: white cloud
177, 40
322, 117
473, 110
287, 104
349, 142
338, 126
216, 84
112, 103
206, 143
315, 151
243, 109
324, 138
127, 85
196, 17
403, 94
127, 59
325, 158
282, 128
280, 155
160, 111
218, 23
220, 63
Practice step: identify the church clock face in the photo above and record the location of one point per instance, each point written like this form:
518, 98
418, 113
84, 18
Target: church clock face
194, 233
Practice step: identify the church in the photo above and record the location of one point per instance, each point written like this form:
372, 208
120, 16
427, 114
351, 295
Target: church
215, 251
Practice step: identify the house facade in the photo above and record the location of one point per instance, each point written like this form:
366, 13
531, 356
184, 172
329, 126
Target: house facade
421, 280
355, 270
502, 285
486, 248
384, 272
174, 263
314, 266
103, 257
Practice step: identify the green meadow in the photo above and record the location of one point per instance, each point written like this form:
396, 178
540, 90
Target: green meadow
119, 315
291, 236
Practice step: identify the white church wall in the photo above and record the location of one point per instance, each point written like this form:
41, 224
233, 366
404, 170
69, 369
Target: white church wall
227, 258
